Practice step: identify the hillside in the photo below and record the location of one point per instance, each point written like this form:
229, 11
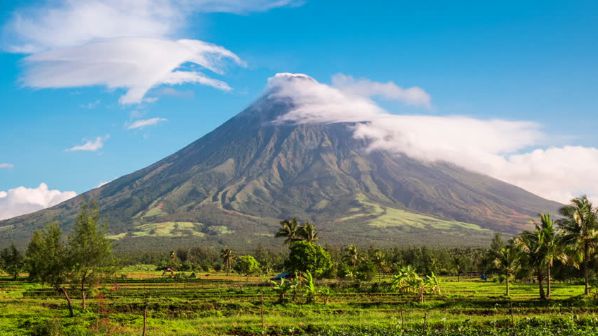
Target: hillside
233, 185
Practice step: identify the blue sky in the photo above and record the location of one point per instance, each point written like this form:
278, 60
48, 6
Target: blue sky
513, 60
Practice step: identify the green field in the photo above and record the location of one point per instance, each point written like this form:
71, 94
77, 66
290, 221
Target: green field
217, 304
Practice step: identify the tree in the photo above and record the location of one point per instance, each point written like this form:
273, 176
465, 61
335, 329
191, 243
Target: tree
379, 259
579, 229
408, 281
11, 261
247, 265
48, 260
228, 257
351, 255
506, 260
551, 248
308, 257
308, 232
532, 254
458, 262
90, 251
281, 287
289, 229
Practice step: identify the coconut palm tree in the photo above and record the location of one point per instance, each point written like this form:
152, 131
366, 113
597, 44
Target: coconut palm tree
351, 255
379, 259
506, 260
551, 249
289, 229
308, 232
579, 229
529, 244
227, 256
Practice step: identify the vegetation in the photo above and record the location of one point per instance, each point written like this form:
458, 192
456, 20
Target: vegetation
307, 288
11, 261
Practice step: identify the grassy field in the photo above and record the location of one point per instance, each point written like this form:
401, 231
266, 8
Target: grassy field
217, 304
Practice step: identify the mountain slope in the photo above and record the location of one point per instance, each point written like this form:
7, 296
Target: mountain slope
231, 187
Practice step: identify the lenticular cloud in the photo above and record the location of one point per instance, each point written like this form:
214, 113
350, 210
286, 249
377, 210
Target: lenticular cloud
129, 45
135, 64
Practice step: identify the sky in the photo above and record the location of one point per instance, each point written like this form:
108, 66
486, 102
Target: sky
93, 90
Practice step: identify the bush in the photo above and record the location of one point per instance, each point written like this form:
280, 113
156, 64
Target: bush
308, 257
247, 265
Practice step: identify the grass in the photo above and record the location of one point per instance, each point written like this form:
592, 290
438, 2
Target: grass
388, 217
217, 304
169, 229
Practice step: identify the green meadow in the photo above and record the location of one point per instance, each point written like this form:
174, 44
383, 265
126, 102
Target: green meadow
219, 304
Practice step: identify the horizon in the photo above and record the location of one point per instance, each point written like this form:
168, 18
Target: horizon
500, 89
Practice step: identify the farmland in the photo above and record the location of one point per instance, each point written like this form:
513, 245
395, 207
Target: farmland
218, 304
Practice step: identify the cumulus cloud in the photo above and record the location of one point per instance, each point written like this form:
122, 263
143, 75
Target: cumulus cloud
22, 200
132, 45
90, 145
145, 122
6, 165
513, 151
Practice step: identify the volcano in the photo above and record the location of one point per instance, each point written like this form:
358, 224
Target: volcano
233, 185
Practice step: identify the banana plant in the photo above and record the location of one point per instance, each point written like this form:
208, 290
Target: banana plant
310, 288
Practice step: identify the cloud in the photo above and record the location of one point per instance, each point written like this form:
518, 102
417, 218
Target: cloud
145, 122
130, 45
90, 145
517, 152
22, 200
364, 87
136, 64
6, 166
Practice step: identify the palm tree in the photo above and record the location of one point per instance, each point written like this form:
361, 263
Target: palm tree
308, 232
351, 255
579, 228
529, 244
289, 229
227, 256
506, 260
379, 259
549, 242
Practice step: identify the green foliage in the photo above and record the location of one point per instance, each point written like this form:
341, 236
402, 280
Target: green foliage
308, 257
90, 252
579, 228
507, 261
282, 288
228, 257
247, 265
47, 257
310, 287
12, 261
408, 281
366, 271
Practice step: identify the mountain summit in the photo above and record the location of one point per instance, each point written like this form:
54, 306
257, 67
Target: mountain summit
233, 185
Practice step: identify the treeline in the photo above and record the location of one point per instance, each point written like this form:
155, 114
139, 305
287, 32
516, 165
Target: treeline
564, 249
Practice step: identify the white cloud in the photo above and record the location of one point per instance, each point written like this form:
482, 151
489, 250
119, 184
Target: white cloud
133, 45
145, 122
22, 200
512, 151
389, 90
6, 165
90, 145
136, 64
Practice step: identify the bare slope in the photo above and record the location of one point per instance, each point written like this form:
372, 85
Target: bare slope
231, 187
